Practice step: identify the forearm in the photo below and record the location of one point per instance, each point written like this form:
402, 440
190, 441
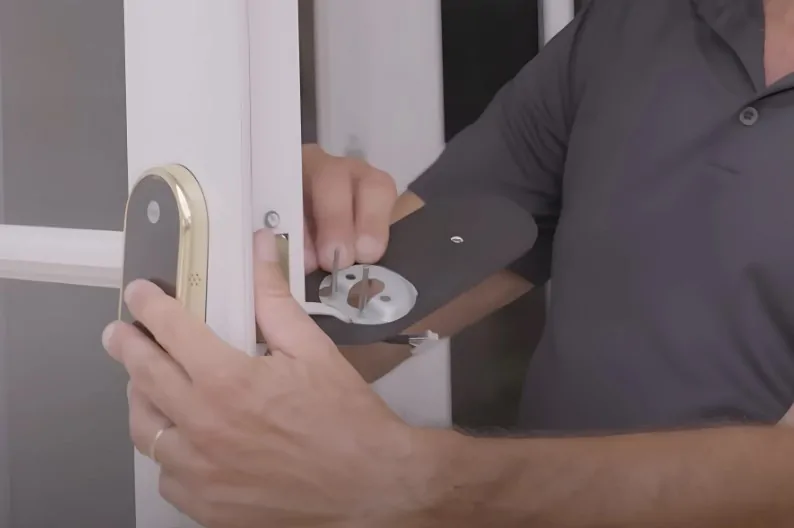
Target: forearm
720, 478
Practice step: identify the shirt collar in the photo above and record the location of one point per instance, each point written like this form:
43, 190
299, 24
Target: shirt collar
740, 23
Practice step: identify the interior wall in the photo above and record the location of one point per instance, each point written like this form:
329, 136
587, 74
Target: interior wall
64, 164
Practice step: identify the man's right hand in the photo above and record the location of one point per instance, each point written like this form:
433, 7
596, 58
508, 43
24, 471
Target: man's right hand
348, 208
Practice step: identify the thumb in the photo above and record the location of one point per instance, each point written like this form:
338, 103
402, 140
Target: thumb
282, 320
310, 261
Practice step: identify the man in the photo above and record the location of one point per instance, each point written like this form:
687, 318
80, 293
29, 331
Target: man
651, 140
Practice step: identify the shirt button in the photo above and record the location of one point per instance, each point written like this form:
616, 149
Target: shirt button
749, 116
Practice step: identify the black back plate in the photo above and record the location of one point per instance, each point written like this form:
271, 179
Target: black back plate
495, 231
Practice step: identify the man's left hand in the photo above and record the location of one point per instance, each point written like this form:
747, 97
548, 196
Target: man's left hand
292, 439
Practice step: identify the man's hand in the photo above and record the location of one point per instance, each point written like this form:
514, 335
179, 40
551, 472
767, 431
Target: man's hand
348, 207
293, 439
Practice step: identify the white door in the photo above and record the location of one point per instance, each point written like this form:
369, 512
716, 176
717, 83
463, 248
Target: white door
210, 85
94, 92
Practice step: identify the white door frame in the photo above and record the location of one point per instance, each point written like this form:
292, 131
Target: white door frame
190, 95
215, 86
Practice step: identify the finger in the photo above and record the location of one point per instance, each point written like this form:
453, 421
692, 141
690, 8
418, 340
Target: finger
174, 492
309, 252
331, 209
284, 323
146, 421
171, 450
186, 338
375, 196
151, 370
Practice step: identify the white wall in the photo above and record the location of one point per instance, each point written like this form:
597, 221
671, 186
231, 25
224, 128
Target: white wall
379, 82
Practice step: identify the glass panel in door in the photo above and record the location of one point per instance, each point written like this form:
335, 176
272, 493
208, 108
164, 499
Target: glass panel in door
65, 457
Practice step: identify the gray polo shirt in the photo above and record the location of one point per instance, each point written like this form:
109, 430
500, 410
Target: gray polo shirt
660, 169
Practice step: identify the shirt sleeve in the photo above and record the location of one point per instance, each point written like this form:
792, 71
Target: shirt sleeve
517, 147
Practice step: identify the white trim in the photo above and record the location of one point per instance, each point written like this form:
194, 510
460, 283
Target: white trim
555, 15
189, 102
276, 125
70, 256
380, 82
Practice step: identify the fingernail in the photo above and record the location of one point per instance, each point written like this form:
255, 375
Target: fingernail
265, 246
132, 289
330, 253
107, 335
369, 247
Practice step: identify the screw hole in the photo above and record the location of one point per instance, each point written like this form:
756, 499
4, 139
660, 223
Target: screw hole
385, 298
350, 276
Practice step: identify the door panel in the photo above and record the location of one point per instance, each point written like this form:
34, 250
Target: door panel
65, 456
64, 146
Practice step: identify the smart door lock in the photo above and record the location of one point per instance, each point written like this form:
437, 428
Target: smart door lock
166, 237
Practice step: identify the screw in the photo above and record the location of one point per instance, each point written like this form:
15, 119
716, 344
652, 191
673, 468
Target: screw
457, 240
272, 219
